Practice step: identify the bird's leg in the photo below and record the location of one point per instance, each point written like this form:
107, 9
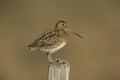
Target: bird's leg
49, 58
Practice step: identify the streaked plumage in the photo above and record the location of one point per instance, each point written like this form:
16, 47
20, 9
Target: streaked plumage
49, 41
52, 40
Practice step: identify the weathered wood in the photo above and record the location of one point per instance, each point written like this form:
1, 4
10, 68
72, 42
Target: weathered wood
59, 70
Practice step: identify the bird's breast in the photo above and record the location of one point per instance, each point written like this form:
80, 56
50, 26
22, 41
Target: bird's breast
53, 48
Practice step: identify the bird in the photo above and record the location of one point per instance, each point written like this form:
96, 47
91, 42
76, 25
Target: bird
52, 40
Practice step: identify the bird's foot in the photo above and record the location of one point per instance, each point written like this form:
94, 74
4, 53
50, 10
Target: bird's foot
50, 60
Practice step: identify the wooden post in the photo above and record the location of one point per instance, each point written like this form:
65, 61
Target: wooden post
59, 70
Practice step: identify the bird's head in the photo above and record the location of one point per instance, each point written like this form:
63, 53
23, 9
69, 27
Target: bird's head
62, 25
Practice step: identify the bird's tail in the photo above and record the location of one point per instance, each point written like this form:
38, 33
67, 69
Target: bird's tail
31, 49
32, 45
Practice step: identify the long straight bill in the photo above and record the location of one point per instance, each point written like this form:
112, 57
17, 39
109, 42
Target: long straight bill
77, 34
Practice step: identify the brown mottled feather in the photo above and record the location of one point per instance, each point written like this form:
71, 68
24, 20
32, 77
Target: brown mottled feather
50, 38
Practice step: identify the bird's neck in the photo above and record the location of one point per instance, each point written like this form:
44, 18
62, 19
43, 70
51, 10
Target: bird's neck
61, 29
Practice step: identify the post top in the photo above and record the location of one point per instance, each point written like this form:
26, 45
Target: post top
59, 62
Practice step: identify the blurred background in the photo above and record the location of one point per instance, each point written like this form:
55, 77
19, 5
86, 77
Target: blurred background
96, 57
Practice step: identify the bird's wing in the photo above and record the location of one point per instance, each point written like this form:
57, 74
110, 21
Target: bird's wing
48, 38
43, 35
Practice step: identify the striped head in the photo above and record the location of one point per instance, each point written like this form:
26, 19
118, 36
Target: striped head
62, 25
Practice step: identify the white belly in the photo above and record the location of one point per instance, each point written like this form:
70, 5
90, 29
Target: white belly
52, 50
